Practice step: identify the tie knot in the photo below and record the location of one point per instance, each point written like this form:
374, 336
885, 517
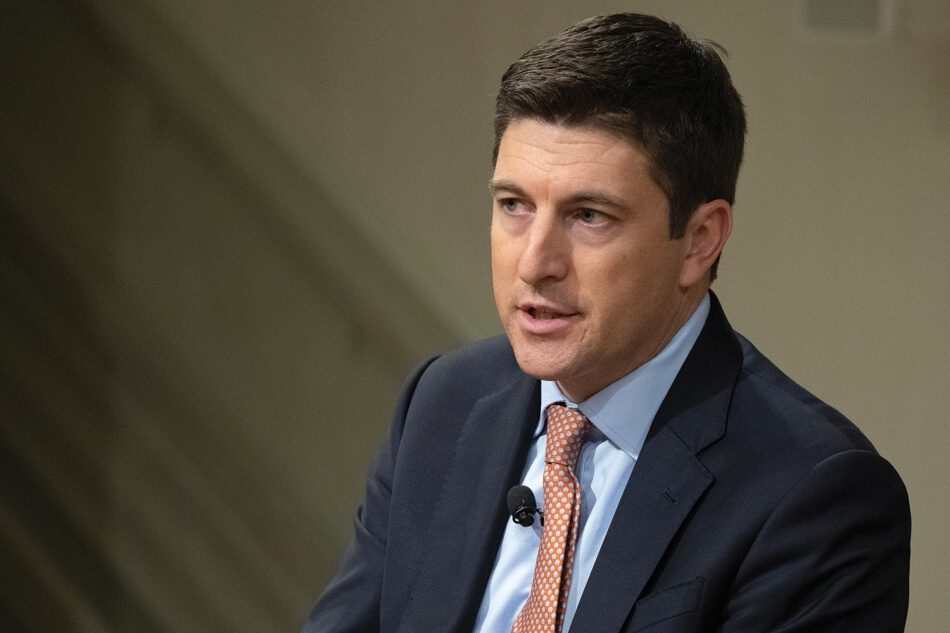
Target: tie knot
566, 430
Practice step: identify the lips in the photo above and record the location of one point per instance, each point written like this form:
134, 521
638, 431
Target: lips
544, 311
546, 319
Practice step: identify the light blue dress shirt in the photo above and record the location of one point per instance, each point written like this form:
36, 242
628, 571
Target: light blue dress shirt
621, 415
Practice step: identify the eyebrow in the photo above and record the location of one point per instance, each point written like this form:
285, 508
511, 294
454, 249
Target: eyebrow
595, 197
494, 186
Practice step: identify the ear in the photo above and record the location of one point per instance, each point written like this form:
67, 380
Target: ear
706, 235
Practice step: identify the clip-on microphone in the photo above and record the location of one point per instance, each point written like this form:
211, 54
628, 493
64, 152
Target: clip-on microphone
522, 506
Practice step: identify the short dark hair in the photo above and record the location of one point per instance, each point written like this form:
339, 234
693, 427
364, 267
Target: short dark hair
645, 79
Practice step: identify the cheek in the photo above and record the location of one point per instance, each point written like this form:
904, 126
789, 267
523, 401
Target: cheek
502, 272
496, 250
504, 256
610, 277
621, 291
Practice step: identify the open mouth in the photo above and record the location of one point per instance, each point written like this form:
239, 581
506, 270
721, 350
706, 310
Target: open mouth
546, 314
543, 321
543, 315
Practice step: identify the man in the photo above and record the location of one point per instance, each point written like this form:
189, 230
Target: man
687, 484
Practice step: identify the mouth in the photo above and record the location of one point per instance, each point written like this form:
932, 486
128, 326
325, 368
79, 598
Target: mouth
546, 319
543, 315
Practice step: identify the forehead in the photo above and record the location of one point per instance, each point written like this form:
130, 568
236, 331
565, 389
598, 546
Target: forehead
562, 158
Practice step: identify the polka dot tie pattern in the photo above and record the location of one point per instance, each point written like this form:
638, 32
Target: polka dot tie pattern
544, 610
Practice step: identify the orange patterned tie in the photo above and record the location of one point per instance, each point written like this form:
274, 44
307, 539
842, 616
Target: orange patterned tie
544, 610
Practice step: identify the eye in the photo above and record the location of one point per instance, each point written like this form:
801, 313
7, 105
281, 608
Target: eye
509, 204
589, 216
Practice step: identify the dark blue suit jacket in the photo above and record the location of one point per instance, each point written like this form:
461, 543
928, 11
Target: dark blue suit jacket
753, 507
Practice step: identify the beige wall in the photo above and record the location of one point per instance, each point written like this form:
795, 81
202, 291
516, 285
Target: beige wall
183, 433
837, 268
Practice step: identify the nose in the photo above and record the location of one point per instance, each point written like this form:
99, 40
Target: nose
546, 254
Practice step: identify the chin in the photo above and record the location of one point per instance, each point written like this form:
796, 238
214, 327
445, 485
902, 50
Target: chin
540, 365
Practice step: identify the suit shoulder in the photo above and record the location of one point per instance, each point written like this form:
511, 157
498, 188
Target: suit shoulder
469, 372
484, 361
782, 407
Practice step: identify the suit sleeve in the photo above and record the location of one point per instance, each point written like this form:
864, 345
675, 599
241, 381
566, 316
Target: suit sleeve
834, 555
351, 601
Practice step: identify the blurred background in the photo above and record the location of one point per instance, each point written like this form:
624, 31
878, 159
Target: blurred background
229, 228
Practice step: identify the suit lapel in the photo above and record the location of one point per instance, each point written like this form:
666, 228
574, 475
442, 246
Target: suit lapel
469, 519
667, 480
664, 485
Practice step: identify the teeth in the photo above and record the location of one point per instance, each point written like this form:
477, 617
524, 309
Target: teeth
543, 314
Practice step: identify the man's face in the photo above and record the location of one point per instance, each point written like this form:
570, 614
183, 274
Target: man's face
586, 278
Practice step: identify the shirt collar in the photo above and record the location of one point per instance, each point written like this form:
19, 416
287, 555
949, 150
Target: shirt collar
624, 410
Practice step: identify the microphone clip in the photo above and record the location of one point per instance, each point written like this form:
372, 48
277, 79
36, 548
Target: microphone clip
522, 506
